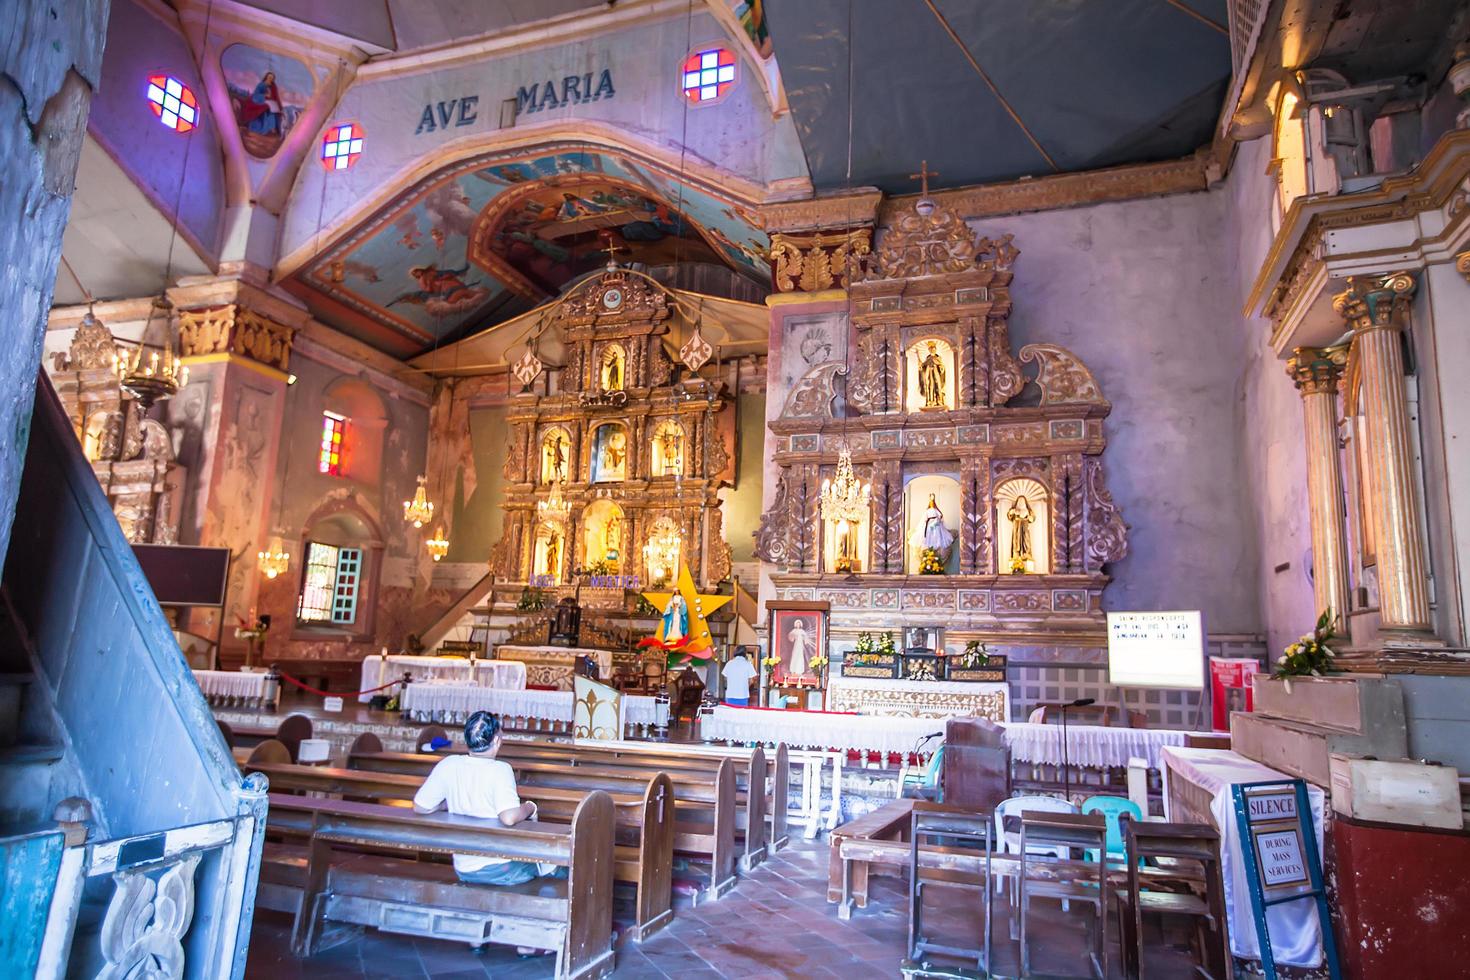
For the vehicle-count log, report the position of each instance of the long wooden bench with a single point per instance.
(751, 809)
(643, 810)
(404, 894)
(888, 822)
(704, 802)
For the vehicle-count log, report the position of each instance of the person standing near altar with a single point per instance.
(738, 674)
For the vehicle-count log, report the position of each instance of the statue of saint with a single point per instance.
(553, 554)
(1021, 517)
(936, 535)
(612, 539)
(614, 452)
(801, 640)
(676, 619)
(554, 459)
(612, 370)
(671, 449)
(846, 546)
(931, 378)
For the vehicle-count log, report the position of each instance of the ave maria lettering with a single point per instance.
(572, 90)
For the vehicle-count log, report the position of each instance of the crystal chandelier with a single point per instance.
(275, 559)
(555, 507)
(151, 375)
(438, 545)
(844, 496)
(661, 552)
(418, 511)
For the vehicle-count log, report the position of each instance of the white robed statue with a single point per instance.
(936, 535)
(801, 640)
(676, 619)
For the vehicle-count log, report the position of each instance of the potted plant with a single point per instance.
(977, 664)
(872, 658)
(931, 562)
(1311, 656)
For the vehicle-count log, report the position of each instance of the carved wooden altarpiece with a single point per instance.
(671, 441)
(1033, 421)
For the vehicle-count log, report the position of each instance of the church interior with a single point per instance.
(681, 488)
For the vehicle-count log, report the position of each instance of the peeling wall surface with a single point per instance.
(1143, 292)
(50, 66)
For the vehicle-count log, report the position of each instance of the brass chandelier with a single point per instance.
(844, 497)
(419, 511)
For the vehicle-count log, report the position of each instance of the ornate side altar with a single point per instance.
(978, 497)
(615, 470)
(554, 667)
(919, 699)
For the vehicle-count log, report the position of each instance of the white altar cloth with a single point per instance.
(376, 671)
(232, 684)
(452, 703)
(1087, 745)
(1296, 937)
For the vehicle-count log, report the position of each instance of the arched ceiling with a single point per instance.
(493, 236)
(1072, 85)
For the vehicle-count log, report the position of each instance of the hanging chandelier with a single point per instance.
(556, 506)
(419, 511)
(151, 375)
(661, 552)
(275, 559)
(844, 497)
(438, 545)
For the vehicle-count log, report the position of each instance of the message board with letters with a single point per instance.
(1156, 649)
(1279, 846)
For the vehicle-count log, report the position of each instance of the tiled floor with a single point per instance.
(775, 923)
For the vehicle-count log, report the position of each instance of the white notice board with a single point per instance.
(1156, 649)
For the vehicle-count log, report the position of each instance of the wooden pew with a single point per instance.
(403, 894)
(289, 732)
(888, 822)
(750, 809)
(704, 802)
(643, 809)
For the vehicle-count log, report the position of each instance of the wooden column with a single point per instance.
(1377, 308)
(1316, 372)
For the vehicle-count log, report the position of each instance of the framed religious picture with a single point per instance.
(797, 634)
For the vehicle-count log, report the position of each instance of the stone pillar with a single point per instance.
(1376, 308)
(1316, 372)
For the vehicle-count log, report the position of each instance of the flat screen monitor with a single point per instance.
(1156, 649)
(185, 575)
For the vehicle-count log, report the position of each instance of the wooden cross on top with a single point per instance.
(612, 249)
(923, 175)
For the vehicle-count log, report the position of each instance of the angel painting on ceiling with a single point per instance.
(442, 291)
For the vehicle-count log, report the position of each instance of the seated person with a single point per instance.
(738, 674)
(480, 785)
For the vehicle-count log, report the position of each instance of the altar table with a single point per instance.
(453, 703)
(548, 666)
(377, 671)
(238, 687)
(1197, 788)
(919, 699)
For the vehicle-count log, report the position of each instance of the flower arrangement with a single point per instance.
(253, 630)
(885, 646)
(976, 655)
(930, 563)
(531, 600)
(864, 644)
(816, 664)
(642, 607)
(770, 662)
(919, 670)
(1310, 656)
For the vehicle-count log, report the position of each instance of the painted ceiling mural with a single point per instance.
(495, 236)
(268, 93)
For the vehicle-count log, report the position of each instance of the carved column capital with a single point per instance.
(1315, 370)
(820, 260)
(1462, 264)
(235, 329)
(1375, 302)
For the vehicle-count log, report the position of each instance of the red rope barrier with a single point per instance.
(334, 694)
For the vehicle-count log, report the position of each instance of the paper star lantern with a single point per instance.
(697, 641)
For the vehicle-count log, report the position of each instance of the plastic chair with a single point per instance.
(1112, 808)
(1010, 843)
(924, 782)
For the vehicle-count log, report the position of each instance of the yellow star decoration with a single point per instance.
(699, 606)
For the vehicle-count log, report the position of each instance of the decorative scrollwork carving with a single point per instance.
(814, 262)
(91, 349)
(142, 933)
(1107, 535)
(815, 393)
(920, 244)
(719, 551)
(1062, 377)
(773, 540)
(1006, 379)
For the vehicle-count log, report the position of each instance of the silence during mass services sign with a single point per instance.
(1156, 649)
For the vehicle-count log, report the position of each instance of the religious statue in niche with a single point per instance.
(554, 457)
(613, 368)
(553, 554)
(935, 540)
(668, 450)
(675, 619)
(931, 378)
(610, 454)
(846, 547)
(1021, 517)
(612, 540)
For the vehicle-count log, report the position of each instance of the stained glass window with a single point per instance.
(708, 75)
(173, 103)
(329, 588)
(341, 145)
(334, 427)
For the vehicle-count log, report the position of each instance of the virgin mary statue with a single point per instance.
(936, 535)
(676, 619)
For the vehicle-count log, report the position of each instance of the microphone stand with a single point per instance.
(1066, 762)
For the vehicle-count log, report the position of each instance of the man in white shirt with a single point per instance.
(738, 673)
(479, 785)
